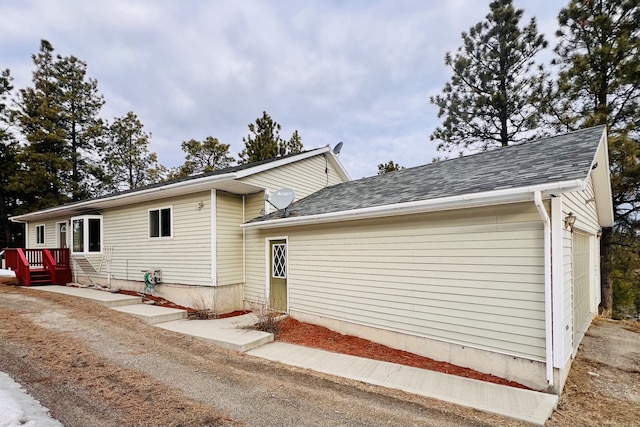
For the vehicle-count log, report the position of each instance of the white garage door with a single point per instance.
(581, 281)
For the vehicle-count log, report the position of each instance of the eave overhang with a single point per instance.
(488, 198)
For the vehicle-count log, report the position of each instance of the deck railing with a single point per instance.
(34, 257)
(16, 260)
(55, 261)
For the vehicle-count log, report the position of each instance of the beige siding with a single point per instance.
(305, 177)
(50, 238)
(473, 277)
(253, 206)
(582, 204)
(228, 238)
(185, 258)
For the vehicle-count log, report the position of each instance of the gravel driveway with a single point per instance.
(92, 366)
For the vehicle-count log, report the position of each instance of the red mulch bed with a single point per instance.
(308, 335)
(295, 332)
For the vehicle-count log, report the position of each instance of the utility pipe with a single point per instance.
(548, 315)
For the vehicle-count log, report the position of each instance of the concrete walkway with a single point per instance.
(524, 405)
(228, 333)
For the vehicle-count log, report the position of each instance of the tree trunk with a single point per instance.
(606, 273)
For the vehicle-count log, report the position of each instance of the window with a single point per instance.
(279, 260)
(40, 234)
(160, 223)
(86, 233)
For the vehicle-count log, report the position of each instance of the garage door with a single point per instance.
(581, 279)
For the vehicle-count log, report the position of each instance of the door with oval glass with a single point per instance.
(62, 234)
(278, 275)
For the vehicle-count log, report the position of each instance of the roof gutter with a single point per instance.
(95, 203)
(511, 195)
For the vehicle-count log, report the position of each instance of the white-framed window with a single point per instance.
(160, 223)
(40, 234)
(86, 234)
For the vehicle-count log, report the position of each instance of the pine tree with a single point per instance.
(128, 162)
(81, 104)
(293, 146)
(497, 94)
(44, 179)
(390, 166)
(264, 141)
(599, 59)
(8, 165)
(58, 116)
(201, 157)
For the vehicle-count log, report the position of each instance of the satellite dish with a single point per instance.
(337, 148)
(282, 198)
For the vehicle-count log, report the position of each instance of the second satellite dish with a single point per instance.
(282, 198)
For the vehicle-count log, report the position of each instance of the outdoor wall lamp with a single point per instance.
(599, 234)
(569, 221)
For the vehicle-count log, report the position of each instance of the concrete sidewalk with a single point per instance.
(519, 404)
(524, 405)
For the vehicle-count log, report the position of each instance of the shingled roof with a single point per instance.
(555, 159)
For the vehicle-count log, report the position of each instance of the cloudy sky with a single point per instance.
(355, 71)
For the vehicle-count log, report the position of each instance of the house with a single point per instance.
(489, 261)
(189, 230)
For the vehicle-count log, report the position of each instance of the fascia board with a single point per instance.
(601, 177)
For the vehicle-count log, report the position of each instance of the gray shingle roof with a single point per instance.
(554, 159)
(230, 169)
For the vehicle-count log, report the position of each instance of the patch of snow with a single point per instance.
(7, 273)
(19, 409)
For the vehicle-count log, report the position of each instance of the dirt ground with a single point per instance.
(603, 388)
(94, 366)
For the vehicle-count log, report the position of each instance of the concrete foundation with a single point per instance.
(220, 299)
(530, 373)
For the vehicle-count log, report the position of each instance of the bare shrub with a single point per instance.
(269, 320)
(201, 306)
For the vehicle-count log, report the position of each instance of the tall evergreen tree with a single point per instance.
(264, 141)
(80, 104)
(58, 116)
(497, 94)
(204, 156)
(128, 162)
(43, 180)
(8, 165)
(599, 83)
(294, 145)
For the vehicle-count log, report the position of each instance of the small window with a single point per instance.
(279, 260)
(40, 234)
(160, 223)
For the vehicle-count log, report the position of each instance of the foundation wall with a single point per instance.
(222, 299)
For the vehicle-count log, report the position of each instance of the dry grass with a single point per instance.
(66, 364)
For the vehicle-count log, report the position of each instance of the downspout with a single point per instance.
(548, 316)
